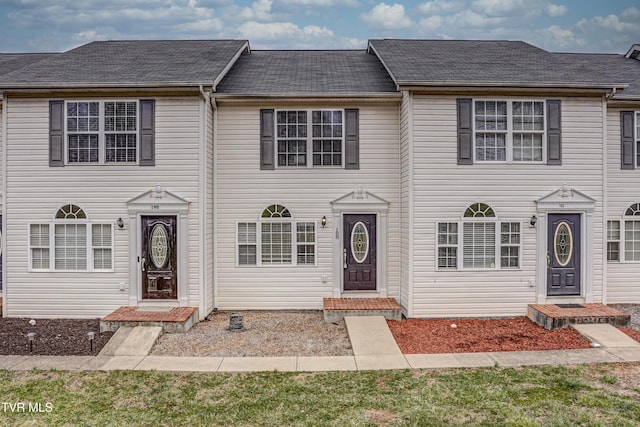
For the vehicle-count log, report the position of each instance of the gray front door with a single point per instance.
(563, 255)
(359, 252)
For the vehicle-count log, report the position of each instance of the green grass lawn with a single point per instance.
(602, 395)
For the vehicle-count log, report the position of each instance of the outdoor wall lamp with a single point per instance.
(323, 221)
(533, 220)
(120, 223)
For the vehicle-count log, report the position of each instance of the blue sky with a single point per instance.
(556, 25)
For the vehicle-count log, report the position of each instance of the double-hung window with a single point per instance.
(71, 243)
(509, 131)
(101, 132)
(623, 237)
(478, 242)
(276, 239)
(309, 138)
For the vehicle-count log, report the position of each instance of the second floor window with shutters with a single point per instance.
(309, 138)
(509, 131)
(101, 132)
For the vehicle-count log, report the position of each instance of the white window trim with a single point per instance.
(294, 244)
(510, 131)
(460, 245)
(622, 242)
(619, 241)
(102, 145)
(89, 246)
(309, 138)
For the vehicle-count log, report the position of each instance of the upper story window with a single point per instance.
(509, 131)
(101, 132)
(309, 138)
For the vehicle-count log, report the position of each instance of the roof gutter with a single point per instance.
(310, 96)
(408, 84)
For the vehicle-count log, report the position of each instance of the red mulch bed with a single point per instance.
(417, 336)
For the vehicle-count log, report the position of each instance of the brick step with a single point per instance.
(336, 309)
(170, 319)
(558, 316)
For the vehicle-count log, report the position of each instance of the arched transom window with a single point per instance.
(478, 242)
(276, 239)
(71, 243)
(623, 237)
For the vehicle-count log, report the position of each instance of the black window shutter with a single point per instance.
(147, 132)
(626, 133)
(352, 139)
(465, 131)
(267, 140)
(56, 133)
(554, 132)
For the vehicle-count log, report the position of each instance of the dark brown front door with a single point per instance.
(563, 254)
(158, 261)
(359, 252)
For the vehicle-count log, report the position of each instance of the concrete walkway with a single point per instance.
(372, 349)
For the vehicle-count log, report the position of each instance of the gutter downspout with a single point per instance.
(202, 207)
(605, 193)
(214, 106)
(3, 150)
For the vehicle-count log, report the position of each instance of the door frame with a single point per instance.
(157, 202)
(565, 201)
(360, 202)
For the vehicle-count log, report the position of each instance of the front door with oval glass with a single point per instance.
(359, 252)
(563, 255)
(158, 258)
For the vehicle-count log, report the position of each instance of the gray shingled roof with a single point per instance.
(131, 63)
(10, 62)
(307, 72)
(482, 63)
(606, 67)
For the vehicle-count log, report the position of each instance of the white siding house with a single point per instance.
(110, 182)
(236, 179)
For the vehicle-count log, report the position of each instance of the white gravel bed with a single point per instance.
(633, 310)
(265, 333)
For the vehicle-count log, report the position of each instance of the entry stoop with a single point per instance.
(335, 309)
(170, 319)
(558, 316)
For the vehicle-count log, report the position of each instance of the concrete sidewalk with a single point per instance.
(373, 347)
(320, 364)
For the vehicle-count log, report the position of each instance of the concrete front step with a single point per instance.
(170, 319)
(557, 316)
(336, 309)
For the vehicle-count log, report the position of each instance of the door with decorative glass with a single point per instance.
(359, 252)
(158, 258)
(563, 255)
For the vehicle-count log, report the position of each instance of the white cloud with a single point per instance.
(281, 30)
(560, 38)
(260, 10)
(431, 23)
(388, 17)
(437, 7)
(321, 3)
(471, 19)
(555, 10)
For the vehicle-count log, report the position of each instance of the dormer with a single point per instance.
(634, 52)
